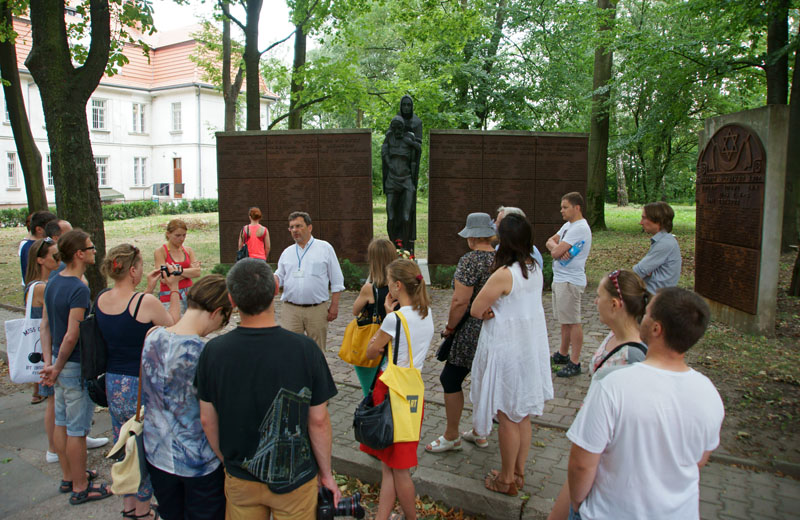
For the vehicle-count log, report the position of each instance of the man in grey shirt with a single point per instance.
(661, 266)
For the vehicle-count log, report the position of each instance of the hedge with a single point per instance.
(125, 210)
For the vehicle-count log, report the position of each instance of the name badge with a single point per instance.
(298, 274)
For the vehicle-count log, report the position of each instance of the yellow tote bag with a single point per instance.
(406, 390)
(357, 336)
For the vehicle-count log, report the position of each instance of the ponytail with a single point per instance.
(407, 272)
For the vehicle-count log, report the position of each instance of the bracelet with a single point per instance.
(180, 297)
(448, 329)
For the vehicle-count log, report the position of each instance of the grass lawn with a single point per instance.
(757, 376)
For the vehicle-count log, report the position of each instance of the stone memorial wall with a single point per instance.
(740, 191)
(325, 173)
(474, 171)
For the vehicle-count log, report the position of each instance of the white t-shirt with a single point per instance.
(421, 331)
(575, 271)
(652, 427)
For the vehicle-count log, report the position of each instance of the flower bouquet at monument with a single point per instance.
(403, 253)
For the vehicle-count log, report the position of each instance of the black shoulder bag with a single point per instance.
(243, 251)
(618, 348)
(444, 348)
(373, 425)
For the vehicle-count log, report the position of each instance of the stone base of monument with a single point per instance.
(423, 268)
(740, 194)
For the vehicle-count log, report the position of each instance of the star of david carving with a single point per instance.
(729, 147)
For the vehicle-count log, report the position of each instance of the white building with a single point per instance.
(153, 122)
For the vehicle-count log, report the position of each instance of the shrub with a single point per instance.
(126, 210)
(204, 205)
(442, 275)
(354, 274)
(221, 269)
(547, 271)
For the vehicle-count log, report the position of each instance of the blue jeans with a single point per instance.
(574, 515)
(74, 409)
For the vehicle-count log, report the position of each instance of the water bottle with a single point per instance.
(573, 252)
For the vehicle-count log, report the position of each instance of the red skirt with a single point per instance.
(400, 455)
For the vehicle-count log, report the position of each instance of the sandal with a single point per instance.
(441, 444)
(153, 510)
(36, 399)
(81, 497)
(519, 480)
(493, 483)
(471, 436)
(66, 485)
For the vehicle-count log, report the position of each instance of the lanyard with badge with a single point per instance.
(299, 272)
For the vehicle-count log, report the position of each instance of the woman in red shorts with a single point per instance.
(406, 287)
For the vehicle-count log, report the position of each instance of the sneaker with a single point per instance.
(51, 457)
(92, 443)
(570, 370)
(559, 359)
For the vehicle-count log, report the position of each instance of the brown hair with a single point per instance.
(683, 315)
(407, 272)
(210, 293)
(380, 253)
(255, 213)
(575, 199)
(39, 249)
(176, 224)
(660, 213)
(119, 261)
(300, 214)
(632, 291)
(70, 243)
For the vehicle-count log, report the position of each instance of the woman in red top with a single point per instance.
(180, 260)
(255, 236)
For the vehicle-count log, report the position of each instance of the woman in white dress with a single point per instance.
(511, 377)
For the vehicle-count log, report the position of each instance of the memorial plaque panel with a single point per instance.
(343, 155)
(562, 158)
(241, 157)
(730, 207)
(288, 195)
(727, 274)
(279, 238)
(292, 155)
(547, 199)
(346, 237)
(237, 196)
(508, 157)
(730, 213)
(229, 233)
(344, 196)
(452, 199)
(541, 232)
(446, 233)
(507, 192)
(456, 156)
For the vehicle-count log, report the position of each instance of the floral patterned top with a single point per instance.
(625, 356)
(174, 440)
(473, 270)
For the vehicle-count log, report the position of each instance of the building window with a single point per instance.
(98, 114)
(49, 171)
(101, 164)
(6, 116)
(138, 118)
(11, 160)
(139, 171)
(176, 117)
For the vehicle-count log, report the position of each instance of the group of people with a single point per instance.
(239, 426)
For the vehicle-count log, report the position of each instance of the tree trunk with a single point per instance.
(252, 58)
(599, 124)
(65, 91)
(29, 156)
(777, 68)
(622, 188)
(794, 286)
(296, 114)
(791, 201)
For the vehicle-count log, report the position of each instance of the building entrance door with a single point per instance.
(177, 175)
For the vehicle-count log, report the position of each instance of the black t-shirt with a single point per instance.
(261, 383)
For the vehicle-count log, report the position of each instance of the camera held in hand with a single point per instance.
(166, 272)
(350, 506)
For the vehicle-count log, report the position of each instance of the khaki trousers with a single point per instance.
(311, 321)
(248, 500)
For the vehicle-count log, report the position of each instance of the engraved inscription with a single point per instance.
(236, 196)
(241, 157)
(446, 233)
(344, 155)
(342, 197)
(562, 158)
(453, 199)
(509, 157)
(730, 213)
(292, 155)
(288, 195)
(727, 274)
(505, 192)
(346, 237)
(456, 156)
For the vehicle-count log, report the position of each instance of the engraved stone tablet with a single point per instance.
(730, 204)
(562, 158)
(340, 155)
(241, 157)
(292, 155)
(456, 155)
(509, 157)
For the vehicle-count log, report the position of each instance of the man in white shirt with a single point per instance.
(570, 247)
(305, 270)
(644, 432)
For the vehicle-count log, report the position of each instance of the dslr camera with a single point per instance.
(350, 506)
(166, 272)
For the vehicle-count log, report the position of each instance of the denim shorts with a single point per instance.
(46, 391)
(574, 515)
(74, 409)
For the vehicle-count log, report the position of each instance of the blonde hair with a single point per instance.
(175, 224)
(380, 253)
(119, 261)
(407, 272)
(39, 249)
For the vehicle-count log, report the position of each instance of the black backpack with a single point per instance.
(94, 350)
